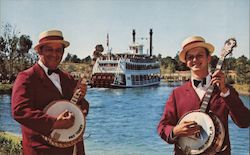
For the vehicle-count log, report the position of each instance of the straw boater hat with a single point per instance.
(52, 36)
(192, 42)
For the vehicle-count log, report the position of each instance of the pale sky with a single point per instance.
(85, 23)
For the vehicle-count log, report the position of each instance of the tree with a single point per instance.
(213, 63)
(230, 63)
(3, 56)
(75, 59)
(72, 58)
(171, 67)
(14, 51)
(86, 59)
(159, 57)
(243, 70)
(166, 61)
(68, 58)
(24, 44)
(180, 66)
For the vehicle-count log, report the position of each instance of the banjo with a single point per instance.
(63, 138)
(211, 137)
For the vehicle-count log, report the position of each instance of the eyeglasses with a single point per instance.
(191, 57)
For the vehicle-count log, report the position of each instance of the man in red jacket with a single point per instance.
(196, 54)
(38, 86)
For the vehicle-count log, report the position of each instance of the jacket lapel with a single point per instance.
(68, 85)
(63, 83)
(46, 82)
(193, 95)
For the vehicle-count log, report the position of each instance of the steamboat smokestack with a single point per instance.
(133, 33)
(150, 43)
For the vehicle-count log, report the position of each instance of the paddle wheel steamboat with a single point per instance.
(125, 70)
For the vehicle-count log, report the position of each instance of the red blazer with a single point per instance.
(184, 99)
(32, 91)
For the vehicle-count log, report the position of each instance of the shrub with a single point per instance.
(10, 144)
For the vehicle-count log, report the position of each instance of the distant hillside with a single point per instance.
(77, 69)
(74, 67)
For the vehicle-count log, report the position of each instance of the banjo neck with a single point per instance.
(77, 94)
(227, 49)
(210, 89)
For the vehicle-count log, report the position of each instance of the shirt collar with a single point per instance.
(43, 67)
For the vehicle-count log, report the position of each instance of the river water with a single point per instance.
(124, 122)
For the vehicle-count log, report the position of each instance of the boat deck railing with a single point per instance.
(132, 60)
(144, 82)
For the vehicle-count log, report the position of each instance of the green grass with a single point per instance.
(5, 88)
(10, 144)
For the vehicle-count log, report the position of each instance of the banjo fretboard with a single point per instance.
(77, 94)
(228, 47)
(210, 89)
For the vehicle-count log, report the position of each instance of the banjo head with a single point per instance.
(64, 136)
(197, 144)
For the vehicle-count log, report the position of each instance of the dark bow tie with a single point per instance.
(197, 82)
(50, 71)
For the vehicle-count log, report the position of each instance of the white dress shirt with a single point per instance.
(201, 90)
(53, 77)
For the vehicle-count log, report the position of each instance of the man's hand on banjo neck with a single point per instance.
(218, 78)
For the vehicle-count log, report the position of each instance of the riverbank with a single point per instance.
(5, 88)
(10, 143)
(242, 89)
